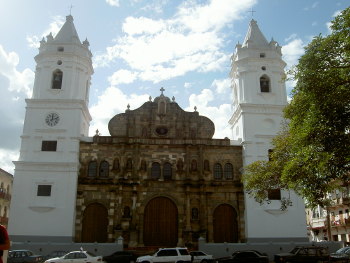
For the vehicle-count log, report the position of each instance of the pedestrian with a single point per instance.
(4, 241)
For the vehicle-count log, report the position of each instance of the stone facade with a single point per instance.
(147, 161)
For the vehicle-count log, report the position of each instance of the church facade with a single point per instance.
(160, 178)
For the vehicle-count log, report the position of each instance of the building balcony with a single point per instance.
(4, 220)
(5, 196)
(340, 222)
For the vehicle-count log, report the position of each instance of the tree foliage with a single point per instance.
(311, 155)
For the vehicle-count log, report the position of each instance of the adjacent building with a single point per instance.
(334, 224)
(6, 180)
(160, 178)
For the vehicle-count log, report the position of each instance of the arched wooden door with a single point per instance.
(160, 223)
(95, 223)
(225, 224)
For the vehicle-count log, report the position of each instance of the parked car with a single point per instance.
(201, 257)
(245, 256)
(341, 255)
(121, 257)
(164, 255)
(312, 254)
(56, 254)
(76, 257)
(24, 256)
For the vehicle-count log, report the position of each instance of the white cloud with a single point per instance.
(122, 76)
(16, 86)
(219, 115)
(20, 82)
(188, 41)
(113, 2)
(110, 103)
(54, 27)
(222, 86)
(292, 51)
(6, 158)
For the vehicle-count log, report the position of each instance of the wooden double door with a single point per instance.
(160, 223)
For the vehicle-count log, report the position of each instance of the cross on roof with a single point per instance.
(70, 9)
(162, 89)
(252, 11)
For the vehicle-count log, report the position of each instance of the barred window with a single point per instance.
(104, 169)
(217, 171)
(167, 171)
(155, 171)
(92, 169)
(228, 171)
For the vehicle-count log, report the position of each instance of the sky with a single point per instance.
(140, 46)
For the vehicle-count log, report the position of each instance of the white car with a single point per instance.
(201, 257)
(167, 255)
(76, 257)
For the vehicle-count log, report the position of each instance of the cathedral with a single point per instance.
(160, 178)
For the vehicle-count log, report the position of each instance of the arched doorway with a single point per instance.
(225, 224)
(160, 223)
(95, 223)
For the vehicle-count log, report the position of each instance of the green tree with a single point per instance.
(311, 155)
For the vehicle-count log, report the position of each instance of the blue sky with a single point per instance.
(140, 46)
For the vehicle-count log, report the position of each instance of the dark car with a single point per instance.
(24, 256)
(201, 257)
(121, 257)
(341, 255)
(251, 256)
(312, 254)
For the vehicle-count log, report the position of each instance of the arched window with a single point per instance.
(264, 84)
(217, 171)
(57, 78)
(92, 169)
(155, 171)
(167, 171)
(104, 169)
(228, 171)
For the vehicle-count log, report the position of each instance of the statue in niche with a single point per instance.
(116, 164)
(129, 164)
(143, 166)
(126, 212)
(194, 165)
(206, 165)
(195, 213)
(180, 165)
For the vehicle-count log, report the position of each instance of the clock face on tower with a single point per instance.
(52, 119)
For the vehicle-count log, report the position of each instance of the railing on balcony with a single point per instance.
(4, 220)
(5, 196)
(340, 222)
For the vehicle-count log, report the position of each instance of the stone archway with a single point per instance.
(160, 223)
(225, 226)
(95, 224)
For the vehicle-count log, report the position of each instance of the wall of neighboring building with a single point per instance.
(6, 180)
(338, 220)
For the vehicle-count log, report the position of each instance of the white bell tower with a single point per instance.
(57, 118)
(259, 96)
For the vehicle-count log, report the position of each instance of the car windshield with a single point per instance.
(342, 250)
(294, 250)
